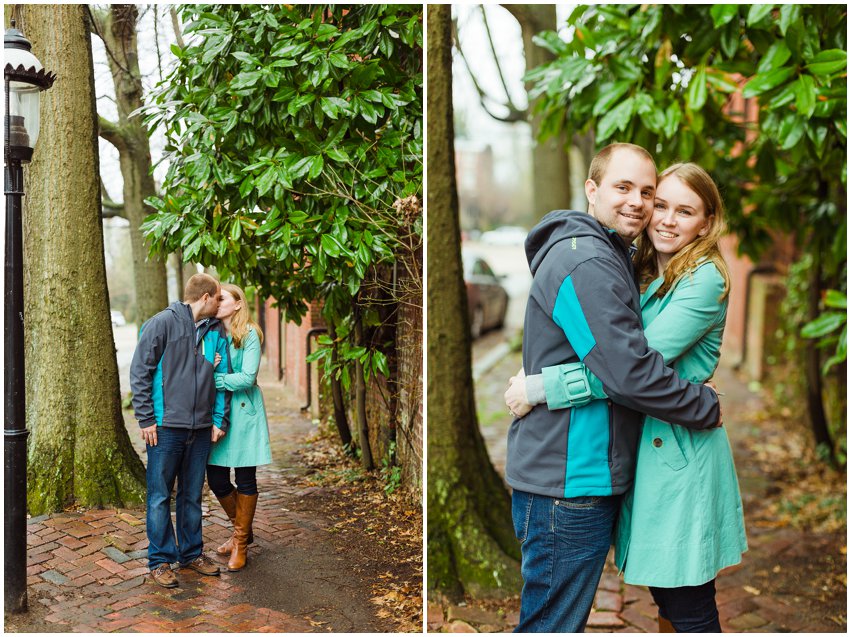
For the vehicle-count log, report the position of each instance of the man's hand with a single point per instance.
(515, 396)
(712, 386)
(217, 434)
(149, 435)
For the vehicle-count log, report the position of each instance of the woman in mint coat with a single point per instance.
(682, 521)
(246, 445)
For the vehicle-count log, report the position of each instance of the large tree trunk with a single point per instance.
(550, 158)
(79, 450)
(117, 28)
(471, 544)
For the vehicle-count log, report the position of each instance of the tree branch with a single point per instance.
(111, 133)
(175, 24)
(514, 114)
(111, 209)
(511, 103)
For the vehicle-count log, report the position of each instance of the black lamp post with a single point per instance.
(25, 78)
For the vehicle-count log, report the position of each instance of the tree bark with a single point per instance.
(812, 367)
(340, 418)
(550, 158)
(471, 543)
(360, 401)
(117, 28)
(79, 451)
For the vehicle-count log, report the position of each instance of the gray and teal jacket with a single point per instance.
(171, 375)
(584, 306)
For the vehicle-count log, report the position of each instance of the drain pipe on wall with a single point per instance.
(310, 333)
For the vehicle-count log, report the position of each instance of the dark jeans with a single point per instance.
(564, 543)
(179, 454)
(691, 609)
(219, 480)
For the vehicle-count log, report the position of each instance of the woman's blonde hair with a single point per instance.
(241, 321)
(705, 247)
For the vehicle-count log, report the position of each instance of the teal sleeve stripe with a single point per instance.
(568, 315)
(587, 468)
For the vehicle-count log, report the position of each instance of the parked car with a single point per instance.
(505, 236)
(117, 318)
(486, 298)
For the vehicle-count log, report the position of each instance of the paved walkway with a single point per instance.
(87, 572)
(747, 600)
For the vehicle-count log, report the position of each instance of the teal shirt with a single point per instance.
(682, 521)
(246, 443)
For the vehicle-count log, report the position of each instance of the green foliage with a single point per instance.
(832, 328)
(391, 472)
(662, 76)
(293, 134)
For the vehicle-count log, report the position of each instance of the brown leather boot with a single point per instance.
(228, 503)
(245, 507)
(665, 626)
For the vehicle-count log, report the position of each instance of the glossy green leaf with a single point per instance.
(616, 119)
(723, 13)
(697, 89)
(805, 95)
(763, 82)
(758, 12)
(828, 62)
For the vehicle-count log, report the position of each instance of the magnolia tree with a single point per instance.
(295, 155)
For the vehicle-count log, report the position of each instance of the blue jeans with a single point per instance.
(564, 543)
(690, 609)
(180, 454)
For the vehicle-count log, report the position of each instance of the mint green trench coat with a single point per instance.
(246, 443)
(682, 521)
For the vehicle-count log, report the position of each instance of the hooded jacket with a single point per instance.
(584, 306)
(171, 375)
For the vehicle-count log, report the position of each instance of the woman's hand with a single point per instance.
(217, 434)
(216, 360)
(515, 396)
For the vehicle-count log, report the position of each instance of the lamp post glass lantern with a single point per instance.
(24, 79)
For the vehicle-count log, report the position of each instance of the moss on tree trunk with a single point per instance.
(79, 451)
(471, 544)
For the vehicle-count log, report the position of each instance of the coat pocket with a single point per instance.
(666, 444)
(245, 403)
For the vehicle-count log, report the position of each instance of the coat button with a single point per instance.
(243, 405)
(657, 442)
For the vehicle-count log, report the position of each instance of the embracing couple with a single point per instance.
(614, 333)
(193, 378)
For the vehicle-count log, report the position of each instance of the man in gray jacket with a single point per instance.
(568, 468)
(180, 413)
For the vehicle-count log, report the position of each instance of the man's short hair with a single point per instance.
(198, 285)
(601, 159)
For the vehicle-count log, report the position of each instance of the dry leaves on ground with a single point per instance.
(384, 530)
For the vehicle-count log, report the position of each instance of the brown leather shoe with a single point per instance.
(164, 576)
(245, 507)
(202, 564)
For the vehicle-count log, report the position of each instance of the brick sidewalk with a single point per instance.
(90, 571)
